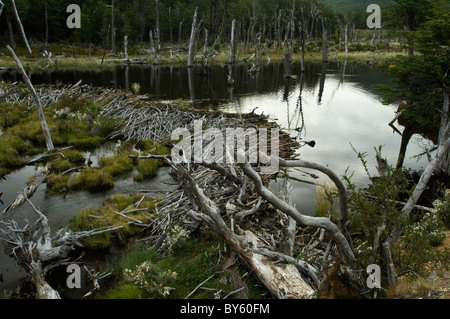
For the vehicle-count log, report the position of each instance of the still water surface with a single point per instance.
(334, 104)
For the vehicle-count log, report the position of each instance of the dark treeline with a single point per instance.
(45, 20)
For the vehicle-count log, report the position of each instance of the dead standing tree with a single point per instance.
(194, 31)
(19, 23)
(2, 5)
(47, 136)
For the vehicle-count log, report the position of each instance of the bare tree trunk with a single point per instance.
(46, 21)
(47, 136)
(191, 57)
(258, 51)
(2, 5)
(113, 27)
(232, 57)
(179, 31)
(279, 31)
(157, 31)
(346, 40)
(170, 24)
(445, 114)
(11, 33)
(444, 122)
(125, 44)
(324, 40)
(152, 42)
(22, 31)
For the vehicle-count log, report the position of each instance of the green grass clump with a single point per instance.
(193, 261)
(107, 217)
(12, 114)
(124, 291)
(86, 143)
(117, 165)
(92, 179)
(146, 169)
(57, 182)
(61, 165)
(74, 156)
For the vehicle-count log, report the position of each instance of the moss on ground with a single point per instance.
(195, 260)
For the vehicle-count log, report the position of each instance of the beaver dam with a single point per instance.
(225, 208)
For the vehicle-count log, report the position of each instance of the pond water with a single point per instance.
(333, 104)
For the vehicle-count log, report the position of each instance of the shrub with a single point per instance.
(443, 208)
(150, 278)
(427, 230)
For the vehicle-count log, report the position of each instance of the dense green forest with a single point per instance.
(46, 20)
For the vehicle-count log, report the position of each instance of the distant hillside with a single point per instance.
(349, 5)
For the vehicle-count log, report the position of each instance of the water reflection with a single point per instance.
(333, 104)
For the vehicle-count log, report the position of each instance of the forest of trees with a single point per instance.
(170, 20)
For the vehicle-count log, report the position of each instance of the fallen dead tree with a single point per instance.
(38, 252)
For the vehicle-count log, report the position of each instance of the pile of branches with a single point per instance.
(289, 252)
(49, 94)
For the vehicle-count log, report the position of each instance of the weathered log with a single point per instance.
(346, 252)
(38, 179)
(284, 281)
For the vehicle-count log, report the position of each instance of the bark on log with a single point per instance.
(47, 136)
(283, 281)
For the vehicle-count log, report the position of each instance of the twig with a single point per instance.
(196, 288)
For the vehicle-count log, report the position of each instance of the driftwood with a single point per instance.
(38, 252)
